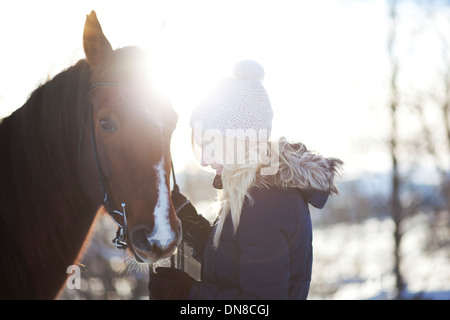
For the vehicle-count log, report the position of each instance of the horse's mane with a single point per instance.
(39, 144)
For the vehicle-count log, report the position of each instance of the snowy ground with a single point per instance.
(355, 261)
(351, 261)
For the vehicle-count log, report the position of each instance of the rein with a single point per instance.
(120, 217)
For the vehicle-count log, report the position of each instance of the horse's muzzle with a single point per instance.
(152, 245)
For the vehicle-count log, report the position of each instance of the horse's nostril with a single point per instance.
(139, 239)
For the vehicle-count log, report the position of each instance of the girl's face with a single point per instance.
(212, 153)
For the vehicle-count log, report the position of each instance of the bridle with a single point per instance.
(118, 216)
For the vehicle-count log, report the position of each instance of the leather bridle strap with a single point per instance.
(118, 217)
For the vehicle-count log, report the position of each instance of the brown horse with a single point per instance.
(94, 137)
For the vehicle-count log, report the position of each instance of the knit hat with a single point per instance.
(237, 107)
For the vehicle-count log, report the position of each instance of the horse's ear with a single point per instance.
(96, 47)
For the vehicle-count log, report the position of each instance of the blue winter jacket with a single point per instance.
(270, 255)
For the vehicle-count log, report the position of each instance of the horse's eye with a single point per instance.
(109, 125)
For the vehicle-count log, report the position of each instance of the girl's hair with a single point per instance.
(291, 164)
(237, 179)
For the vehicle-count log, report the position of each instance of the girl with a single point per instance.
(260, 246)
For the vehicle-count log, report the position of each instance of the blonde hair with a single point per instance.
(237, 180)
(295, 166)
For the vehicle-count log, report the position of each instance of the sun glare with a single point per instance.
(316, 84)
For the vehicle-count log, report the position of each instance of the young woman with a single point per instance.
(260, 246)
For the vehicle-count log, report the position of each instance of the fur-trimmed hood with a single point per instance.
(306, 170)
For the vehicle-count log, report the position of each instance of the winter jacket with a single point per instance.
(270, 255)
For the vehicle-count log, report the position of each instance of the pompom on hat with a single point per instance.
(237, 106)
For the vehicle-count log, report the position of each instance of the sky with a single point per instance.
(326, 63)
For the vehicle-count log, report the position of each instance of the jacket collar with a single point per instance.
(303, 169)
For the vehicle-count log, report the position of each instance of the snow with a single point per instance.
(355, 261)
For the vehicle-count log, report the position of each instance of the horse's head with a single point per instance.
(131, 130)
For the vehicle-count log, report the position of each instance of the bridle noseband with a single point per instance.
(119, 217)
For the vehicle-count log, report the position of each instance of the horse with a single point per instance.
(95, 138)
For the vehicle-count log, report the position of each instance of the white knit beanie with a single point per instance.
(237, 106)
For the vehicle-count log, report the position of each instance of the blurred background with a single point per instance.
(366, 81)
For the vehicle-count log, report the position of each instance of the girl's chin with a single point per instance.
(218, 170)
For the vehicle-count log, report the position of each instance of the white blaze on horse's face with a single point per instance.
(160, 241)
(162, 234)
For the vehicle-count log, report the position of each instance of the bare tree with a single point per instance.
(396, 208)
